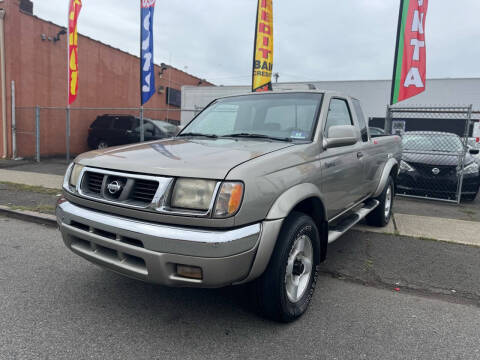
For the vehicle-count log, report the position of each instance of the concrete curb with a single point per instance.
(431, 228)
(32, 216)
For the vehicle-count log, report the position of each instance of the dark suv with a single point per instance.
(109, 130)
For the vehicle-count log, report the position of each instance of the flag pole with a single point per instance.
(255, 46)
(142, 133)
(399, 28)
(67, 124)
(388, 119)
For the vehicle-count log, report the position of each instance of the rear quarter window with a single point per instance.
(362, 123)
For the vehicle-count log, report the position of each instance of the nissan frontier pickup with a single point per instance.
(253, 189)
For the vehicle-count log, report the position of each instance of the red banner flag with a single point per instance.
(73, 13)
(409, 74)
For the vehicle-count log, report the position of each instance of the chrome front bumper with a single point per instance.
(151, 252)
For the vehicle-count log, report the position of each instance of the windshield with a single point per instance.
(283, 116)
(432, 142)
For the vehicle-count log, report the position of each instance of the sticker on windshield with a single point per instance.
(298, 135)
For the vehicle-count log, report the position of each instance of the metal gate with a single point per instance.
(434, 152)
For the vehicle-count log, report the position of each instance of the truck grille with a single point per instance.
(125, 189)
(94, 182)
(144, 190)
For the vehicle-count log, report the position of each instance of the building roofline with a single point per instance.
(110, 46)
(332, 81)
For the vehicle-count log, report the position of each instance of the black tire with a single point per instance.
(102, 144)
(270, 290)
(378, 217)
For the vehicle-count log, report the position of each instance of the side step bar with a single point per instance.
(350, 220)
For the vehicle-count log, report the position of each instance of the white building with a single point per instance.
(374, 94)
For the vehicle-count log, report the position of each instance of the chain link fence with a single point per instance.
(41, 131)
(436, 163)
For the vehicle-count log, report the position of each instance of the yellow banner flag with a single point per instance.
(73, 13)
(263, 53)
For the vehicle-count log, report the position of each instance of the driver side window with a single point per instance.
(338, 114)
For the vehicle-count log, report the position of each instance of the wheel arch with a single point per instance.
(305, 198)
(390, 168)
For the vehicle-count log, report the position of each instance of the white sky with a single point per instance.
(317, 40)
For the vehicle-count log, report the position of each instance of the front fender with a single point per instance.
(291, 198)
(391, 163)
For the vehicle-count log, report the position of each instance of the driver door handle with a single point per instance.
(359, 155)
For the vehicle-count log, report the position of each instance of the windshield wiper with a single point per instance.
(212, 136)
(258, 136)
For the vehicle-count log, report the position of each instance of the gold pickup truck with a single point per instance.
(253, 189)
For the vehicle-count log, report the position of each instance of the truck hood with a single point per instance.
(199, 158)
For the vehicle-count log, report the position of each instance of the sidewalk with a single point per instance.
(31, 178)
(431, 228)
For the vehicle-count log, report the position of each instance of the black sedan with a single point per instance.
(431, 166)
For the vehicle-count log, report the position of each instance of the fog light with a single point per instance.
(191, 272)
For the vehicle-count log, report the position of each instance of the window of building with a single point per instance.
(174, 97)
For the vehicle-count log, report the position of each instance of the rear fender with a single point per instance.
(391, 163)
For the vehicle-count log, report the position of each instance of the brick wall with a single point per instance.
(108, 77)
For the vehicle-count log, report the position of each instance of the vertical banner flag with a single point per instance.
(73, 13)
(263, 51)
(409, 72)
(147, 75)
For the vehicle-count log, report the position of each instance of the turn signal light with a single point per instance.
(229, 199)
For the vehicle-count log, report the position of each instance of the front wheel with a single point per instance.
(380, 217)
(284, 291)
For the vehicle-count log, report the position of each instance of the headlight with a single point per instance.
(404, 166)
(229, 199)
(471, 169)
(72, 176)
(193, 194)
(77, 169)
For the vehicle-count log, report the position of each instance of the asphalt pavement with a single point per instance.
(55, 305)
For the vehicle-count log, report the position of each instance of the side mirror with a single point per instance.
(474, 151)
(341, 135)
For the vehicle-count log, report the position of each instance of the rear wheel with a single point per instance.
(380, 217)
(284, 291)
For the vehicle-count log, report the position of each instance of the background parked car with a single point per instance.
(474, 149)
(430, 166)
(109, 130)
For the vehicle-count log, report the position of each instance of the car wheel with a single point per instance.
(380, 217)
(102, 144)
(284, 291)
